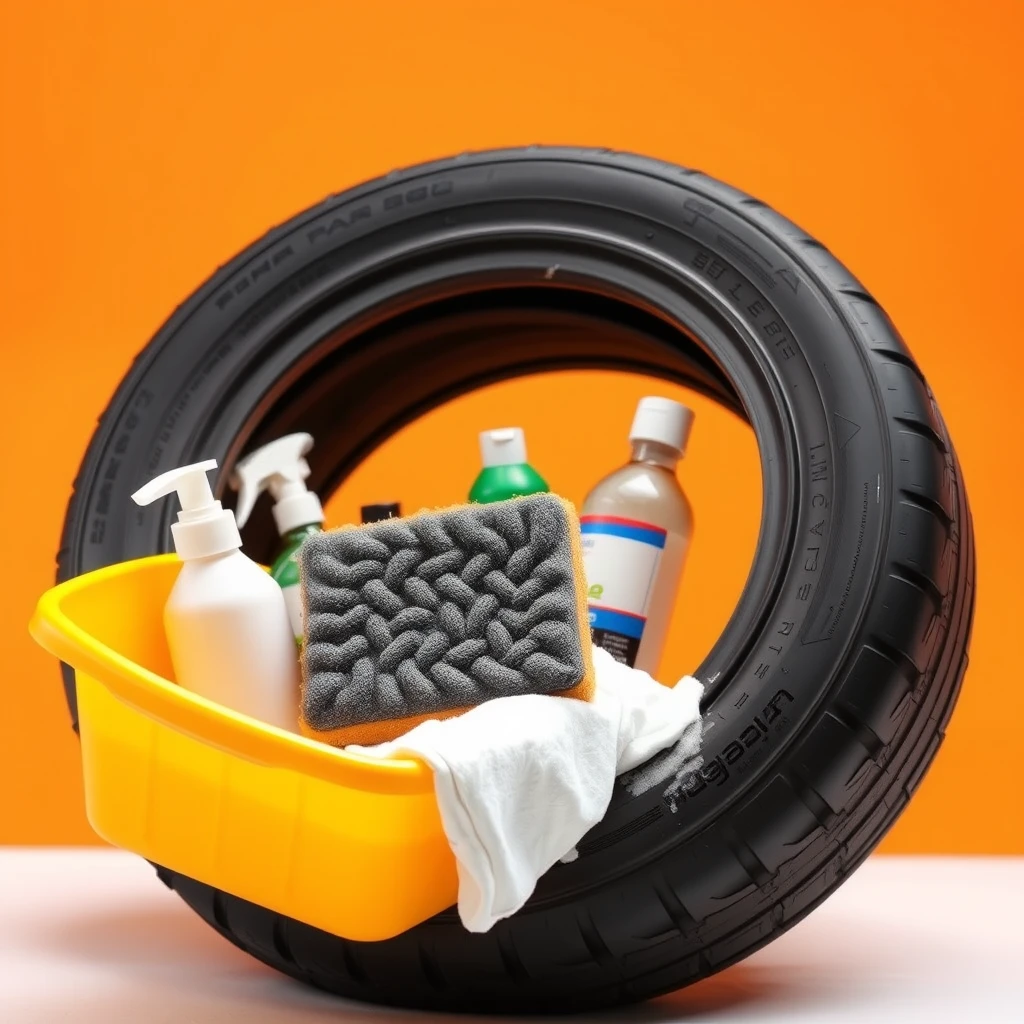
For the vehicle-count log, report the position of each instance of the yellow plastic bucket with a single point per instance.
(347, 844)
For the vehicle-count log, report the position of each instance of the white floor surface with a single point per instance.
(92, 936)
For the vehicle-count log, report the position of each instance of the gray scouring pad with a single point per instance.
(427, 616)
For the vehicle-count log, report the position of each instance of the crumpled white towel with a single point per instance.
(520, 780)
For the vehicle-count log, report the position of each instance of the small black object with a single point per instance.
(379, 512)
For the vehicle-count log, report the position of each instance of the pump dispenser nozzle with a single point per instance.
(278, 467)
(203, 527)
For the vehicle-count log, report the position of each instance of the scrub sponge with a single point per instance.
(428, 616)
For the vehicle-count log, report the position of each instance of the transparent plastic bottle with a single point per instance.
(637, 524)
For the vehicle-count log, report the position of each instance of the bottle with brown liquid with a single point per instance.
(637, 524)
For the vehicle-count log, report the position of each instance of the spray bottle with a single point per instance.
(506, 473)
(226, 619)
(280, 467)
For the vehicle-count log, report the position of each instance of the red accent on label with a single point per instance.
(623, 522)
(619, 611)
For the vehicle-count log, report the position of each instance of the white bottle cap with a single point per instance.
(278, 467)
(663, 421)
(203, 527)
(503, 447)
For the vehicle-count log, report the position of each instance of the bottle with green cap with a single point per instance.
(506, 473)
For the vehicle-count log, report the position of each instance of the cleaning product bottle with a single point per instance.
(281, 468)
(506, 473)
(379, 512)
(226, 619)
(637, 524)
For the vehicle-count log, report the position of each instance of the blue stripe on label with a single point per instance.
(616, 622)
(644, 534)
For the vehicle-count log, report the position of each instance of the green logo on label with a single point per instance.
(595, 591)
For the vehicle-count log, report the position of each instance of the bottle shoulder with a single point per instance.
(291, 542)
(496, 483)
(644, 492)
(224, 579)
(294, 538)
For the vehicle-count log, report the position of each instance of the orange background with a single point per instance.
(143, 144)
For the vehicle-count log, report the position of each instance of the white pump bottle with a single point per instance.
(226, 620)
(280, 467)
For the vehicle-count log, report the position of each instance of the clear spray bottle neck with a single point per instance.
(653, 453)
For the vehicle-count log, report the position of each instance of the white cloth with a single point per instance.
(520, 780)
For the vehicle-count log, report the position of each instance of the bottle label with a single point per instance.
(621, 559)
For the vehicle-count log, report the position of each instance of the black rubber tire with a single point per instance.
(830, 691)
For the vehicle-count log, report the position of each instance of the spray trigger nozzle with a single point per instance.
(279, 467)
